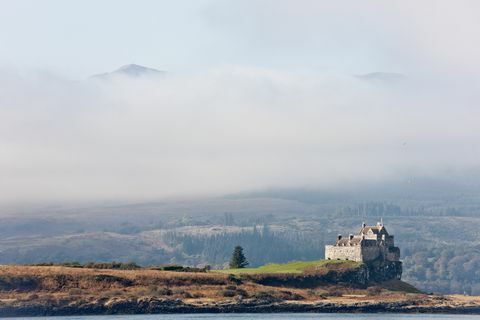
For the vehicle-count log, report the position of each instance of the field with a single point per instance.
(293, 267)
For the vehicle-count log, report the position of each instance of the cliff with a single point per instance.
(328, 272)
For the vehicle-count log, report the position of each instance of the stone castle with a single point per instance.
(372, 243)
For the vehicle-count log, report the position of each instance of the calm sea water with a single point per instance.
(269, 316)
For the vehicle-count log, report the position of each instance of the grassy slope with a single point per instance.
(291, 267)
(399, 286)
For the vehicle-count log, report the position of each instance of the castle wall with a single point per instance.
(389, 241)
(370, 253)
(371, 244)
(393, 254)
(343, 252)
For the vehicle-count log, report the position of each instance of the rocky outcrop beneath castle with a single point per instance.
(379, 271)
(359, 275)
(356, 277)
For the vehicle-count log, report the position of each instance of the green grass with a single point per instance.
(291, 267)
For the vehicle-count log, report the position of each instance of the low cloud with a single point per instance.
(223, 130)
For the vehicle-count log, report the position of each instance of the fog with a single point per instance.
(285, 108)
(224, 130)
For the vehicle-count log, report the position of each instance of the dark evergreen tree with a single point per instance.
(238, 259)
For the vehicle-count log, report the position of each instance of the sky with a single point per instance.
(258, 94)
(80, 38)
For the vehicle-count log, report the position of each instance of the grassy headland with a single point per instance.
(293, 287)
(293, 267)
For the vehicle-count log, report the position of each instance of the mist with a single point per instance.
(270, 96)
(224, 130)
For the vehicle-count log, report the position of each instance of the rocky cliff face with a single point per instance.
(378, 271)
(360, 276)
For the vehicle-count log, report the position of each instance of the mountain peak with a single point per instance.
(131, 70)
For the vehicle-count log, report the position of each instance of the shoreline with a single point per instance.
(64, 291)
(162, 306)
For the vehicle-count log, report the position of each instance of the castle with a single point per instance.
(372, 243)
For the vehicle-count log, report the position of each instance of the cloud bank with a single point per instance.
(223, 130)
(288, 112)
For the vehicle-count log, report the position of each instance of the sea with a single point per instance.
(269, 316)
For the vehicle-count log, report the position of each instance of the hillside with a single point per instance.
(53, 290)
(425, 221)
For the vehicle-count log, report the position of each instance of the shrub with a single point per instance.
(116, 293)
(106, 278)
(178, 291)
(228, 293)
(234, 279)
(159, 291)
(20, 283)
(197, 295)
(374, 291)
(334, 292)
(113, 265)
(242, 292)
(263, 295)
(178, 268)
(164, 292)
(32, 296)
(172, 268)
(288, 295)
(75, 292)
(318, 293)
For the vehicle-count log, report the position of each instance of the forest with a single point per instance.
(438, 235)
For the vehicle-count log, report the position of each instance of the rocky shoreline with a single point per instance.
(65, 291)
(158, 306)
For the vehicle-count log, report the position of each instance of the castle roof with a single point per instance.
(356, 240)
(368, 235)
(375, 229)
(347, 241)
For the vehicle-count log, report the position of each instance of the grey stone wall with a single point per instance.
(393, 254)
(343, 252)
(370, 253)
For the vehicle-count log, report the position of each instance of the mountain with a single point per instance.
(130, 70)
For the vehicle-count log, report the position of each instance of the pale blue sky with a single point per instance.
(83, 37)
(79, 38)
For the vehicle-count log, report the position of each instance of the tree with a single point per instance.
(238, 259)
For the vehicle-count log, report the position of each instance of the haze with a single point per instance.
(257, 94)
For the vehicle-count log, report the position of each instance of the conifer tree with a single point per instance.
(238, 259)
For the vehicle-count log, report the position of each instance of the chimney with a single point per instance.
(339, 237)
(364, 225)
(350, 236)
